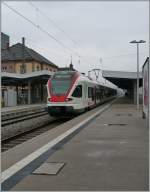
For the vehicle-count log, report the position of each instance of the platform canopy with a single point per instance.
(15, 78)
(122, 79)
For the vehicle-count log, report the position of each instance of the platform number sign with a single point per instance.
(146, 89)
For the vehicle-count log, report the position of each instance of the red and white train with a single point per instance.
(70, 92)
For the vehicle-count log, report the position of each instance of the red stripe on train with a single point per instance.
(60, 98)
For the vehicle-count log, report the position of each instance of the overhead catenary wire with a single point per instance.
(53, 22)
(54, 38)
(58, 27)
(37, 47)
(57, 54)
(46, 32)
(40, 28)
(123, 55)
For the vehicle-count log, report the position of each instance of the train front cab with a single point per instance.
(71, 106)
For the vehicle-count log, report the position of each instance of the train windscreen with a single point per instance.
(61, 83)
(60, 87)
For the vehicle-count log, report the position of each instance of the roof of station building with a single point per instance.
(16, 53)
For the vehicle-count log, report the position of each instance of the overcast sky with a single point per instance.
(99, 32)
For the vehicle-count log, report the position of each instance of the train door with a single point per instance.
(91, 96)
(97, 94)
(85, 94)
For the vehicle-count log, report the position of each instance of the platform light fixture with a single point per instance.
(137, 43)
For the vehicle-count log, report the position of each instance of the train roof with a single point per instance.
(87, 78)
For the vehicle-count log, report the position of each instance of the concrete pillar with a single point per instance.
(29, 92)
(41, 92)
(17, 93)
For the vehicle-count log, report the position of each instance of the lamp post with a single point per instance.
(137, 43)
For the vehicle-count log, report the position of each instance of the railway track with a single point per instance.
(22, 135)
(18, 139)
(19, 118)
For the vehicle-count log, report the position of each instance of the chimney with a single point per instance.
(23, 41)
(23, 70)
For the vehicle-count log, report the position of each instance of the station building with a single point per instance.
(24, 72)
(19, 58)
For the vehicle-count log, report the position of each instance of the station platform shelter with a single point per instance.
(126, 81)
(21, 89)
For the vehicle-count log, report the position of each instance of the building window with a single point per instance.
(38, 68)
(32, 67)
(4, 68)
(23, 68)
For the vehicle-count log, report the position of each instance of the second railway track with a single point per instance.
(18, 139)
(18, 123)
(22, 118)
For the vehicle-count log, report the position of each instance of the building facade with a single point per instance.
(20, 59)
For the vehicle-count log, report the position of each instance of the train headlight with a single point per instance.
(68, 99)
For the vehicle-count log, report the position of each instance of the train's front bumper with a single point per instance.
(61, 110)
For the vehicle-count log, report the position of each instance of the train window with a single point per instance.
(91, 93)
(77, 92)
(60, 87)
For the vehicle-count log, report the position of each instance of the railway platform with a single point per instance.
(109, 152)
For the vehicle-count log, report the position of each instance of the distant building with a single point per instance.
(4, 41)
(19, 58)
